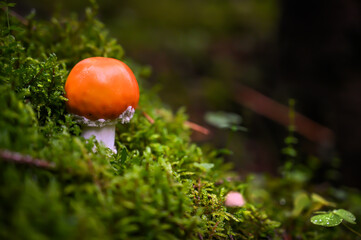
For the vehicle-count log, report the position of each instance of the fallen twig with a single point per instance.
(23, 20)
(25, 159)
(149, 118)
(191, 125)
(277, 112)
(196, 127)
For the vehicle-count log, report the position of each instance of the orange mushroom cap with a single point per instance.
(101, 88)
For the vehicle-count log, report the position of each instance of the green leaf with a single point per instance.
(326, 220)
(204, 166)
(345, 215)
(123, 156)
(320, 212)
(301, 201)
(319, 199)
(238, 128)
(289, 151)
(5, 4)
(224, 120)
(291, 140)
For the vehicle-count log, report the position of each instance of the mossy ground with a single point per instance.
(158, 186)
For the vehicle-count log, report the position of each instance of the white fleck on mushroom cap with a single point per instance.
(125, 117)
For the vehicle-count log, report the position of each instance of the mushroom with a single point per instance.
(234, 199)
(101, 91)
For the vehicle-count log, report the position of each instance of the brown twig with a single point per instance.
(18, 158)
(191, 125)
(25, 159)
(23, 20)
(213, 230)
(277, 112)
(196, 127)
(149, 118)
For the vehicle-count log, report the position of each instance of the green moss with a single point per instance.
(158, 186)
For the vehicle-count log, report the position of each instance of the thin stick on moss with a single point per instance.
(214, 229)
(191, 125)
(196, 127)
(149, 118)
(15, 157)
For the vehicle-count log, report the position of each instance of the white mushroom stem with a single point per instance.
(102, 129)
(104, 134)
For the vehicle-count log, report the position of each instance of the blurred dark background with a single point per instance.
(203, 54)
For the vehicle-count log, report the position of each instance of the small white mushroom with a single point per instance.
(234, 199)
